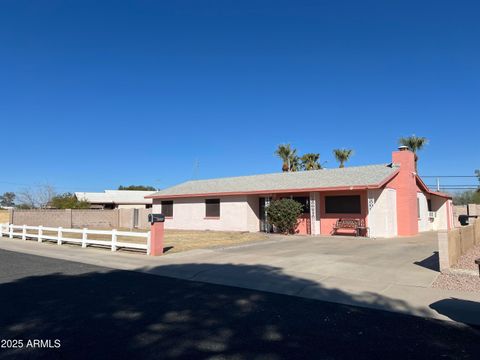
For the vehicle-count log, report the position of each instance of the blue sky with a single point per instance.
(101, 93)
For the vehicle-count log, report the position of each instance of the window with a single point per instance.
(167, 208)
(348, 204)
(305, 201)
(212, 208)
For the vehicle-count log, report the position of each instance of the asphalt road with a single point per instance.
(98, 312)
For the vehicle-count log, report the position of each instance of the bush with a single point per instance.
(283, 214)
(466, 197)
(68, 201)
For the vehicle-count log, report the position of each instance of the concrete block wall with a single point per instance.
(143, 218)
(474, 209)
(79, 218)
(95, 219)
(456, 242)
(44, 217)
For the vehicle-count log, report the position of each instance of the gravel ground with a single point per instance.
(467, 261)
(462, 282)
(457, 282)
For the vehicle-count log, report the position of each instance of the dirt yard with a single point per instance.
(4, 216)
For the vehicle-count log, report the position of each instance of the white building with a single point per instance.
(116, 199)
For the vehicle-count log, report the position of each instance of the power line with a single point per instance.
(39, 185)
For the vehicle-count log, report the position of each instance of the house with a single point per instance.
(390, 199)
(116, 199)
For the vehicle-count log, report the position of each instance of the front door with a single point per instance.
(304, 223)
(262, 215)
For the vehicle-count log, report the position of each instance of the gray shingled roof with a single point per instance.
(370, 175)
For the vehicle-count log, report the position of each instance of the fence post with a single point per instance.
(114, 240)
(40, 233)
(84, 238)
(24, 232)
(59, 236)
(10, 216)
(149, 242)
(10, 235)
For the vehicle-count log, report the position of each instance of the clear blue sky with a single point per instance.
(95, 94)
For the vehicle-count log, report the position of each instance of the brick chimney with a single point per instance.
(406, 186)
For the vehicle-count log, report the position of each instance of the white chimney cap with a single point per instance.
(403, 148)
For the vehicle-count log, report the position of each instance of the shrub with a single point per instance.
(283, 214)
(68, 201)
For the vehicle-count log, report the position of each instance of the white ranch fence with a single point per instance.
(87, 236)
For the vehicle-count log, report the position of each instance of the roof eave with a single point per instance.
(268, 192)
(281, 191)
(426, 189)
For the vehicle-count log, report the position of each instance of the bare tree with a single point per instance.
(45, 194)
(36, 198)
(26, 199)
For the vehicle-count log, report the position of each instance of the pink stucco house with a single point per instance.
(390, 199)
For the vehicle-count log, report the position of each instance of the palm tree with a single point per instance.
(414, 143)
(342, 156)
(294, 161)
(310, 161)
(285, 152)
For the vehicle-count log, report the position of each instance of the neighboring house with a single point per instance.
(390, 198)
(116, 199)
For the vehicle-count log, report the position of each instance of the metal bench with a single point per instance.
(351, 224)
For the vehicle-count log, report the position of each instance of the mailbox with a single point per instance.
(465, 219)
(155, 218)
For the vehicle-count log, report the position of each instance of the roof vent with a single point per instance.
(403, 148)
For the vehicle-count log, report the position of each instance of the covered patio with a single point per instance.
(322, 211)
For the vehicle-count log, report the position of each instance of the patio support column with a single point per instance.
(315, 225)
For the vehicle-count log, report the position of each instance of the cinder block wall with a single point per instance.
(53, 218)
(95, 219)
(454, 243)
(78, 218)
(143, 218)
(462, 210)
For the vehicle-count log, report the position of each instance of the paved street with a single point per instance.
(385, 274)
(98, 312)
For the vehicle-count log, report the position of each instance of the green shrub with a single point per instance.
(68, 201)
(283, 214)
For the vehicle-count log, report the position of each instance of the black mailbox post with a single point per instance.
(465, 219)
(155, 218)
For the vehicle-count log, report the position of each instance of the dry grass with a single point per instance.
(180, 240)
(4, 218)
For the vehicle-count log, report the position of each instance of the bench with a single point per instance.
(351, 224)
(478, 263)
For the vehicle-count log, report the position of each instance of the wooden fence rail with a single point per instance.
(87, 236)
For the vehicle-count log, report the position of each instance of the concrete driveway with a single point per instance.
(367, 264)
(388, 274)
